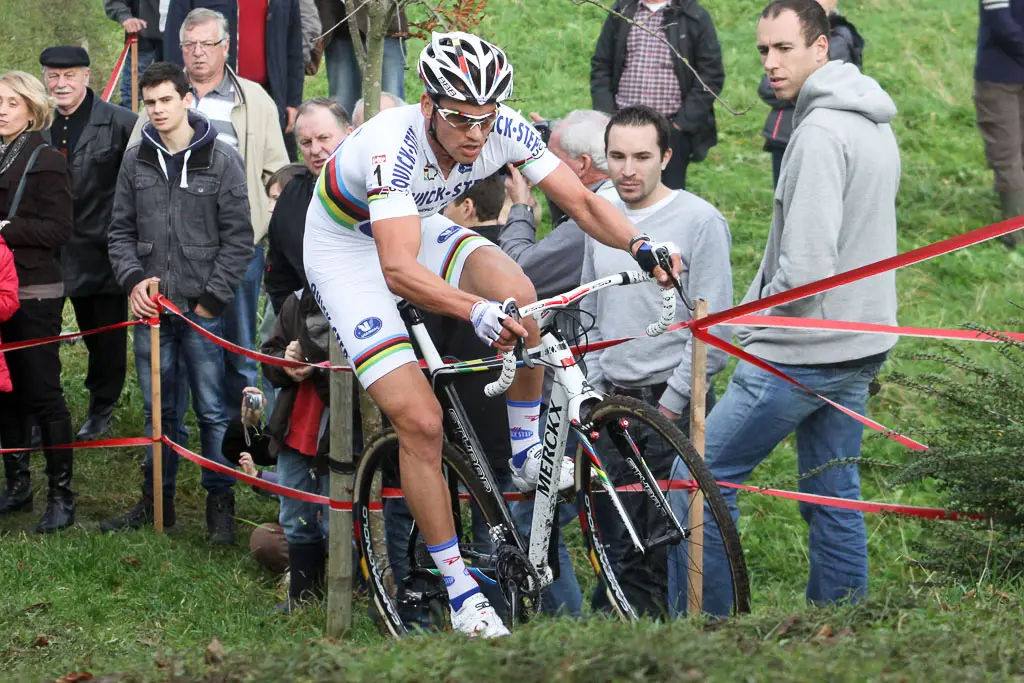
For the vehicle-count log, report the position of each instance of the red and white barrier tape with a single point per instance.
(29, 343)
(102, 443)
(115, 76)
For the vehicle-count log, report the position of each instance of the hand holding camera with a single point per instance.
(252, 406)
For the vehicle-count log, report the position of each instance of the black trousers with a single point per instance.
(108, 351)
(674, 175)
(35, 372)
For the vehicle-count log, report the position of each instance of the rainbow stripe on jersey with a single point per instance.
(340, 204)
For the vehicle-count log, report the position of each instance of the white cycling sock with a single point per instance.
(523, 428)
(457, 579)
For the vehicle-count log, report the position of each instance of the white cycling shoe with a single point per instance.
(477, 619)
(526, 477)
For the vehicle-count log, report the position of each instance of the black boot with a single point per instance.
(60, 501)
(17, 493)
(97, 423)
(308, 565)
(140, 515)
(220, 516)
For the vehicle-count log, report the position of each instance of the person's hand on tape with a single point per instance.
(493, 326)
(645, 252)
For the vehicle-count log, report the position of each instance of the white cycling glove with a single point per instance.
(487, 317)
(645, 256)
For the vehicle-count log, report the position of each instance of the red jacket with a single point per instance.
(8, 303)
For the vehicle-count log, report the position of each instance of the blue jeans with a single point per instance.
(757, 412)
(304, 523)
(240, 324)
(345, 81)
(146, 57)
(266, 331)
(183, 351)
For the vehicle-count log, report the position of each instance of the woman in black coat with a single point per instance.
(35, 230)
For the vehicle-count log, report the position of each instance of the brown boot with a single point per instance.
(1012, 205)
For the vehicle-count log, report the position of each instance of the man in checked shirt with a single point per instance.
(633, 64)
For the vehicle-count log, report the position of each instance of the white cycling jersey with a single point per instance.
(387, 169)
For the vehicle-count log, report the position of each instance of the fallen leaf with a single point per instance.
(37, 607)
(76, 677)
(148, 642)
(215, 652)
(825, 631)
(969, 596)
(131, 562)
(41, 641)
(786, 625)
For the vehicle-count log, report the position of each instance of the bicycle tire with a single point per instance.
(376, 459)
(589, 490)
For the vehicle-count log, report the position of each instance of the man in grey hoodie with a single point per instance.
(834, 211)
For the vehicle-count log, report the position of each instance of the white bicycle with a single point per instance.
(624, 515)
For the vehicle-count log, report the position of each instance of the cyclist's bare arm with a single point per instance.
(398, 244)
(595, 215)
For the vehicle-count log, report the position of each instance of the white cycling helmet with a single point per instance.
(465, 68)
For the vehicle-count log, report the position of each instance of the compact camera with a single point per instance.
(254, 401)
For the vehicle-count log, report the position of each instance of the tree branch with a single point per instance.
(343, 20)
(681, 58)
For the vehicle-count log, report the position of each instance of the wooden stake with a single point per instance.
(156, 409)
(339, 567)
(135, 72)
(698, 407)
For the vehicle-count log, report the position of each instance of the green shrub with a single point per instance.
(976, 461)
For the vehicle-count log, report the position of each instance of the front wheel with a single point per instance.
(634, 544)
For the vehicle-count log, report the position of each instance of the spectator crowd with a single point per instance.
(203, 194)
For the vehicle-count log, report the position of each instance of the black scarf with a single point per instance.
(9, 152)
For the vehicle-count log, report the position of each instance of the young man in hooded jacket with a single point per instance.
(835, 210)
(181, 219)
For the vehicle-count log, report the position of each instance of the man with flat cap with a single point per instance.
(93, 135)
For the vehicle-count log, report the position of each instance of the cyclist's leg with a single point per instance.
(345, 276)
(474, 264)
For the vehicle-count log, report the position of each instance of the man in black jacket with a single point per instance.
(320, 127)
(141, 17)
(632, 64)
(93, 135)
(181, 219)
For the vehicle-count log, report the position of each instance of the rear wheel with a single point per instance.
(630, 535)
(405, 587)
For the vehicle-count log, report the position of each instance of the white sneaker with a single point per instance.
(477, 619)
(526, 477)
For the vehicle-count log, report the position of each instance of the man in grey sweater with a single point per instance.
(835, 210)
(655, 370)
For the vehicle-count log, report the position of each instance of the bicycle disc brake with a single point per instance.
(519, 582)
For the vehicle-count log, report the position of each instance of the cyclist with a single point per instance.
(374, 234)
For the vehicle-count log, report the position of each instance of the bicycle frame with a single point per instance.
(568, 410)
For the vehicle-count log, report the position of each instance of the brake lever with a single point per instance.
(520, 350)
(665, 263)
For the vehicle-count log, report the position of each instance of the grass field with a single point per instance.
(148, 606)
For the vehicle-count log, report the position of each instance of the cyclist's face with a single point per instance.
(455, 124)
(635, 161)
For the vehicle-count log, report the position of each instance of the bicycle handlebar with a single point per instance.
(632, 277)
